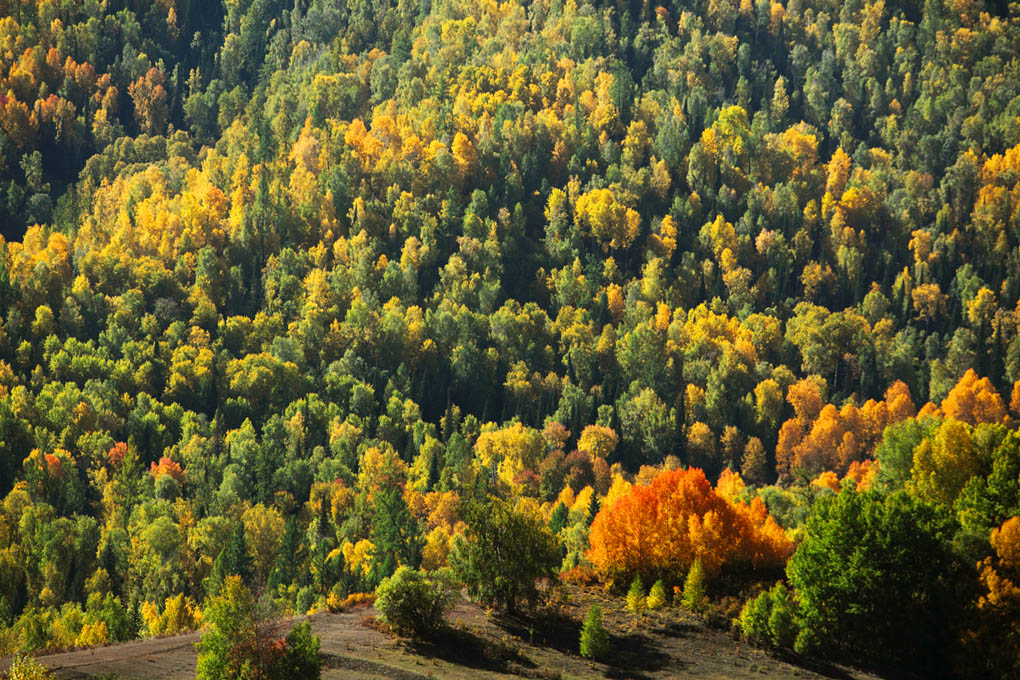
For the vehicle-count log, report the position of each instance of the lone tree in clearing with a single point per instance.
(503, 553)
(594, 638)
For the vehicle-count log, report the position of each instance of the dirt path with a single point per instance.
(171, 658)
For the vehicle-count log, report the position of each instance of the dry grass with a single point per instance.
(670, 643)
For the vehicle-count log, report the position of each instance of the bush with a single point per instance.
(657, 596)
(754, 619)
(636, 596)
(782, 617)
(594, 638)
(27, 668)
(301, 655)
(695, 594)
(414, 602)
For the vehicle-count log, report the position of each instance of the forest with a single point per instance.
(294, 293)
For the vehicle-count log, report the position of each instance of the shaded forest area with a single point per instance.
(286, 284)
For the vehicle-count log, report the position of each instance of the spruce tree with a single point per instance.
(236, 559)
(558, 519)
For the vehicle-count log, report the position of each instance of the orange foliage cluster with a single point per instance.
(863, 473)
(54, 466)
(995, 574)
(168, 467)
(660, 529)
(999, 606)
(822, 438)
(117, 453)
(974, 400)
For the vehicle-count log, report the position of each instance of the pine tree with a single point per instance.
(558, 519)
(236, 559)
(594, 638)
(593, 508)
(286, 557)
(395, 534)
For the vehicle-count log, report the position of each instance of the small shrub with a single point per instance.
(305, 599)
(636, 596)
(27, 668)
(580, 575)
(414, 602)
(807, 641)
(695, 594)
(358, 599)
(657, 596)
(594, 638)
(333, 605)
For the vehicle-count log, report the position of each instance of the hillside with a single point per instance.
(477, 646)
(305, 291)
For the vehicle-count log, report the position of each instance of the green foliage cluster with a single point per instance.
(243, 640)
(415, 602)
(873, 572)
(695, 592)
(503, 554)
(870, 576)
(594, 636)
(636, 597)
(770, 618)
(656, 596)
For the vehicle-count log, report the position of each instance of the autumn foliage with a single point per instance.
(659, 529)
(285, 285)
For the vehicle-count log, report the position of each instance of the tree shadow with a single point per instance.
(462, 648)
(548, 628)
(677, 629)
(828, 669)
(632, 655)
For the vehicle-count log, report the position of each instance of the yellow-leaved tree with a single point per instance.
(614, 225)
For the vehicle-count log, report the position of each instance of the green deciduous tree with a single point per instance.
(875, 577)
(503, 553)
(245, 641)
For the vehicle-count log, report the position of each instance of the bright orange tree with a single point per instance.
(659, 529)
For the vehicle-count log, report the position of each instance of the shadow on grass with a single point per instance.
(830, 669)
(677, 629)
(630, 655)
(548, 628)
(462, 648)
